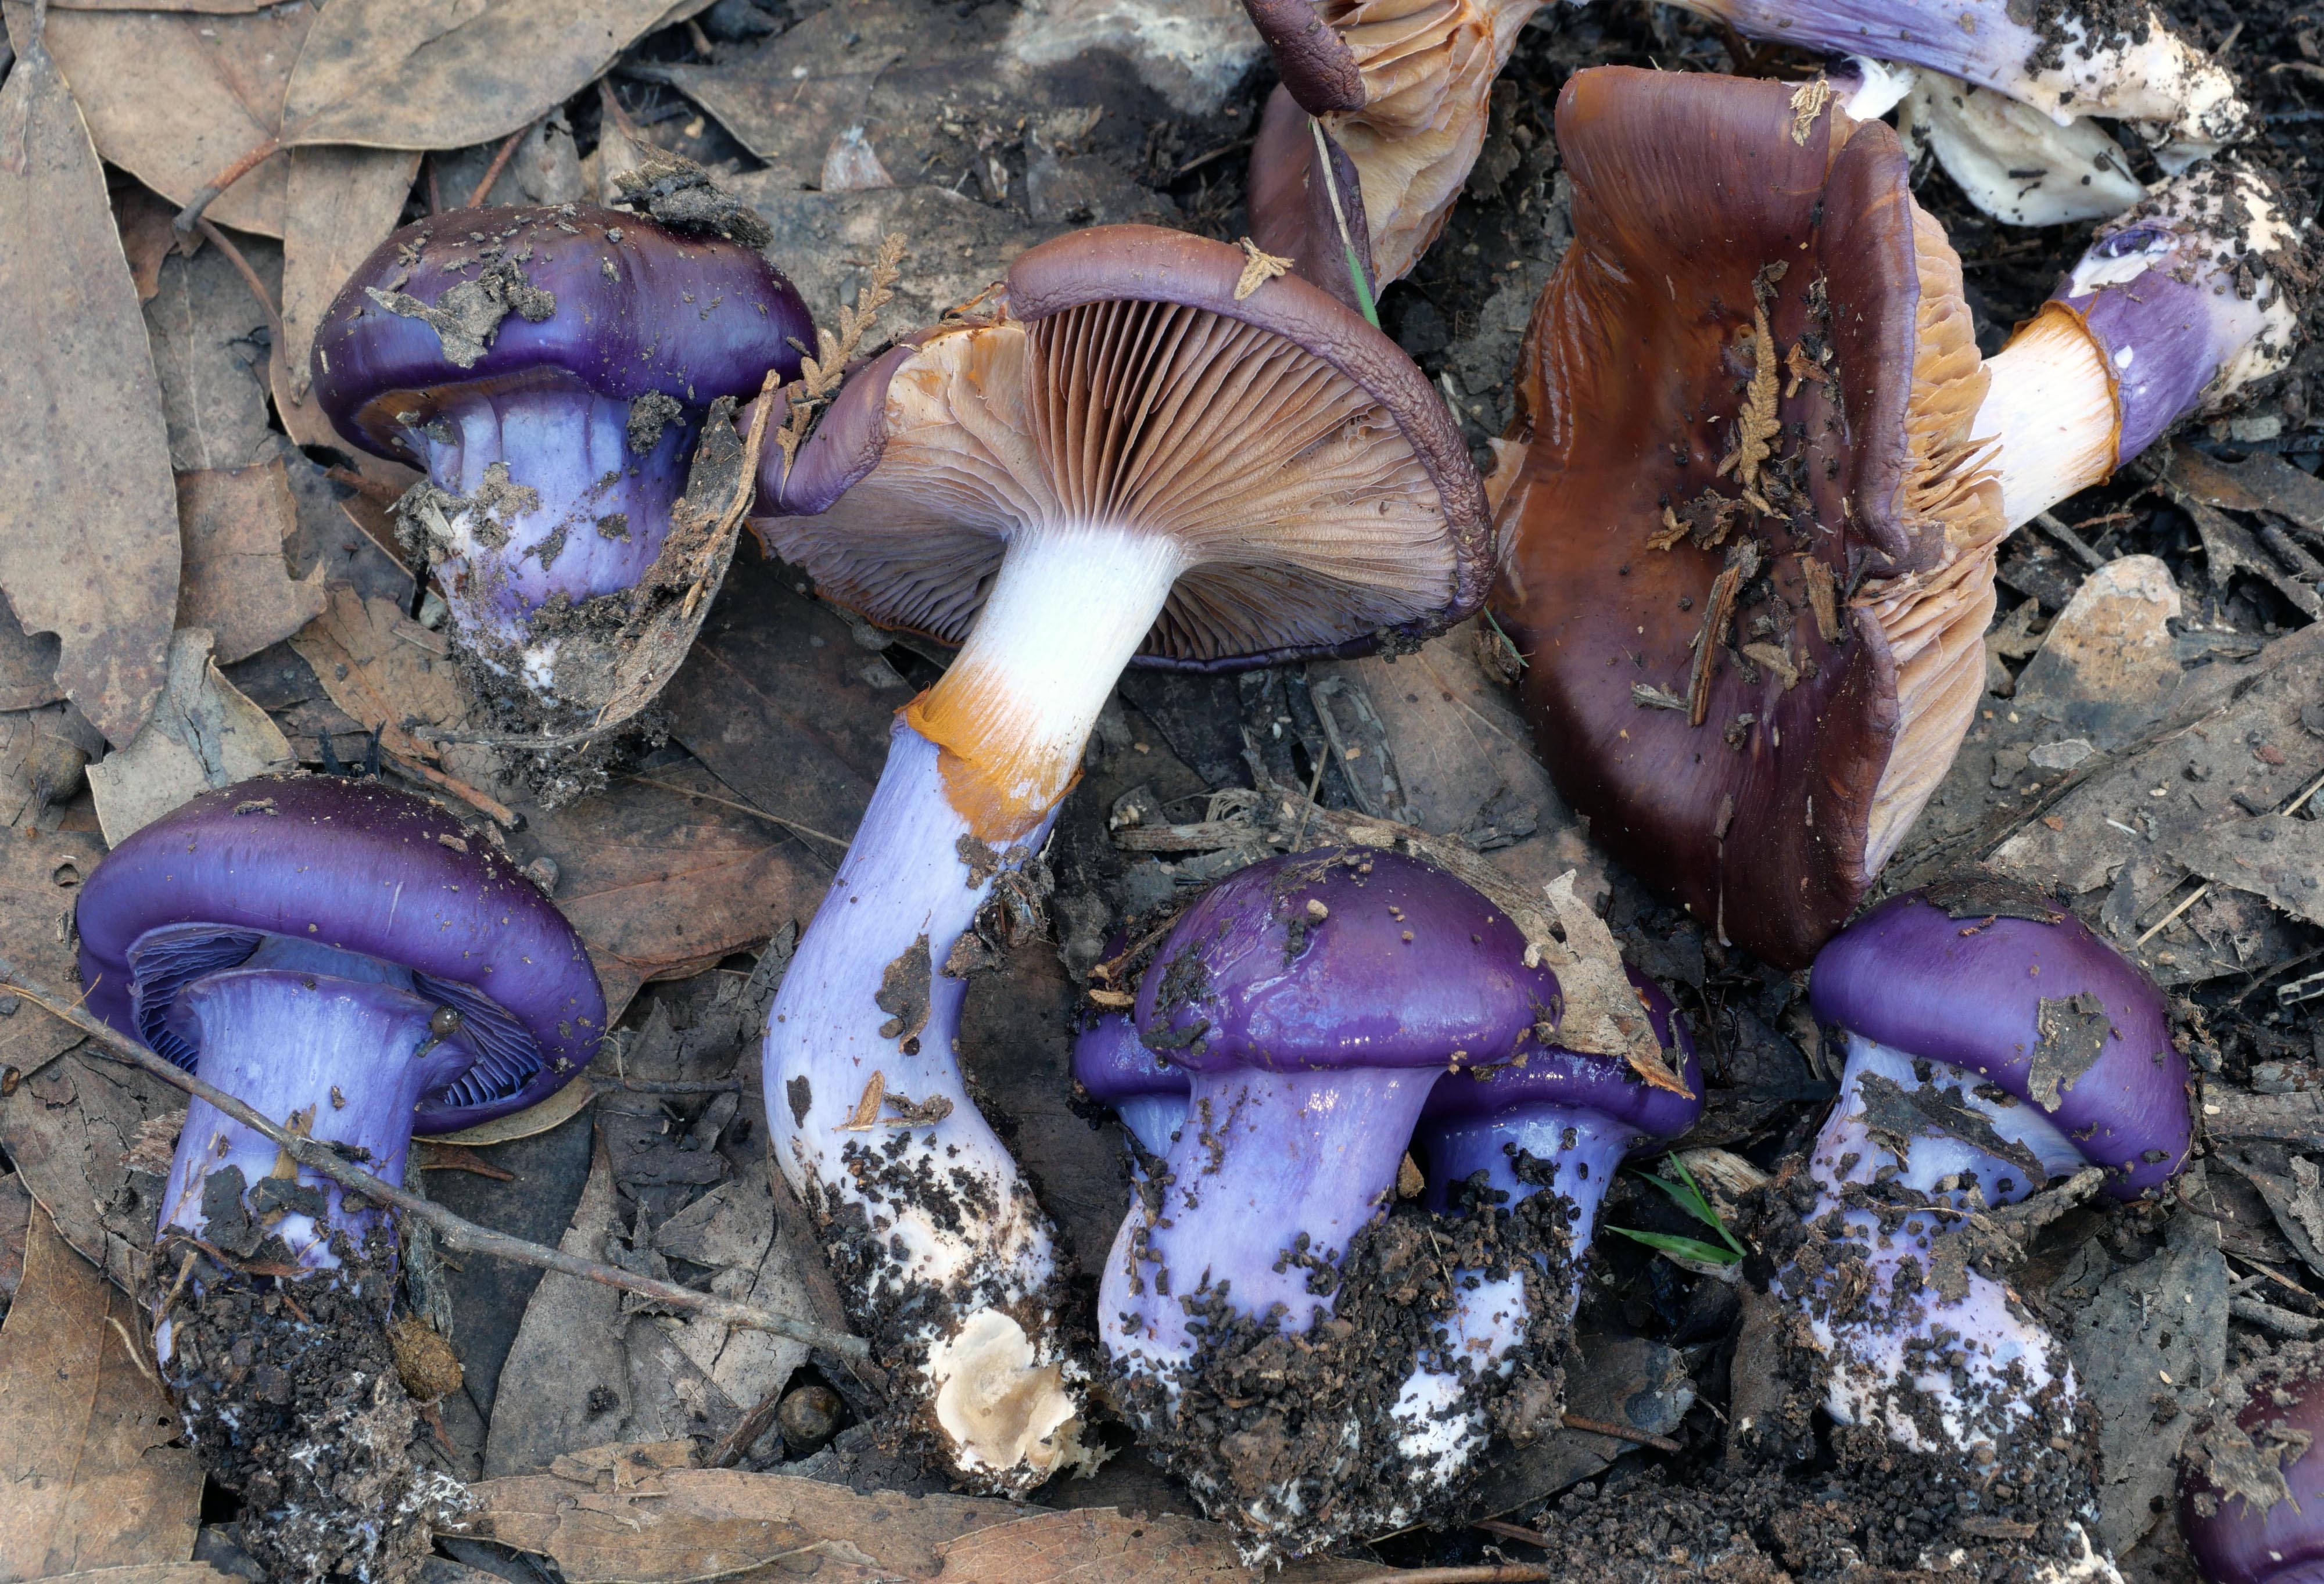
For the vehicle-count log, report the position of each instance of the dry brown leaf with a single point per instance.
(340, 203)
(28, 666)
(1601, 1009)
(388, 672)
(210, 337)
(89, 516)
(89, 1478)
(443, 74)
(662, 885)
(149, 234)
(204, 734)
(621, 1514)
(40, 879)
(173, 100)
(92, 1138)
(16, 1225)
(236, 522)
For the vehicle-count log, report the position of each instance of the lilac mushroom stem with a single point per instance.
(2064, 65)
(1490, 1138)
(2178, 306)
(1993, 1044)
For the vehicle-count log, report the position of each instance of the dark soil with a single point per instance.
(287, 1383)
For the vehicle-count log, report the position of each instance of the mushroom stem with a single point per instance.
(536, 494)
(2183, 101)
(345, 1059)
(1941, 1362)
(1270, 1178)
(2173, 310)
(1069, 607)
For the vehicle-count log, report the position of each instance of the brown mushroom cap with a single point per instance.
(1308, 472)
(1746, 398)
(1425, 72)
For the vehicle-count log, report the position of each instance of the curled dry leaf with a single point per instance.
(88, 517)
(175, 98)
(90, 1479)
(203, 735)
(338, 205)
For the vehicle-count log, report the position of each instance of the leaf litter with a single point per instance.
(2179, 654)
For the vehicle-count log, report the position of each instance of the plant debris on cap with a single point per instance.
(1748, 546)
(1404, 91)
(1300, 460)
(1984, 976)
(2251, 1488)
(358, 867)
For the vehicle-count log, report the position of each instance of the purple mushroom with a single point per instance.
(354, 963)
(2081, 58)
(550, 369)
(1150, 449)
(1492, 1137)
(1112, 1065)
(1314, 1000)
(2250, 1491)
(1994, 1043)
(2176, 307)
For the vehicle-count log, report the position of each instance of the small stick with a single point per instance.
(747, 1430)
(500, 164)
(839, 841)
(464, 1236)
(507, 818)
(2049, 523)
(1490, 1573)
(232, 254)
(1518, 1533)
(2160, 924)
(190, 215)
(1661, 1444)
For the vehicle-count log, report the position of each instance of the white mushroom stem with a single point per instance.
(935, 1233)
(2050, 411)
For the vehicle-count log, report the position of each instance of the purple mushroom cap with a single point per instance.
(1114, 1064)
(1340, 957)
(1552, 1075)
(630, 309)
(356, 867)
(2239, 1538)
(1994, 981)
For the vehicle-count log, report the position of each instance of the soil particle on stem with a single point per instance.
(287, 1383)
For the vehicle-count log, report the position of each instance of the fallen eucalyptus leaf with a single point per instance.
(203, 736)
(88, 517)
(236, 522)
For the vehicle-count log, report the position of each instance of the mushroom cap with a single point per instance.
(2241, 1535)
(1403, 967)
(356, 867)
(1745, 399)
(1311, 476)
(1114, 1064)
(1550, 1076)
(1982, 975)
(692, 317)
(1292, 214)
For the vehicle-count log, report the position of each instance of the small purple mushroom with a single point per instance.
(2250, 1491)
(551, 368)
(1498, 1134)
(1994, 1043)
(2176, 306)
(1314, 1000)
(1113, 1065)
(351, 961)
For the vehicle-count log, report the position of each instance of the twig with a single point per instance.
(1516, 1532)
(507, 818)
(1314, 783)
(129, 1346)
(1661, 1444)
(838, 842)
(232, 254)
(730, 1447)
(2049, 523)
(2160, 924)
(500, 164)
(464, 1236)
(210, 190)
(1488, 1573)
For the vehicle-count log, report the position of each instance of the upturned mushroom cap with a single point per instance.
(612, 302)
(1552, 1075)
(356, 867)
(1980, 974)
(1341, 958)
(1295, 456)
(1749, 551)
(2250, 1491)
(1405, 89)
(1304, 192)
